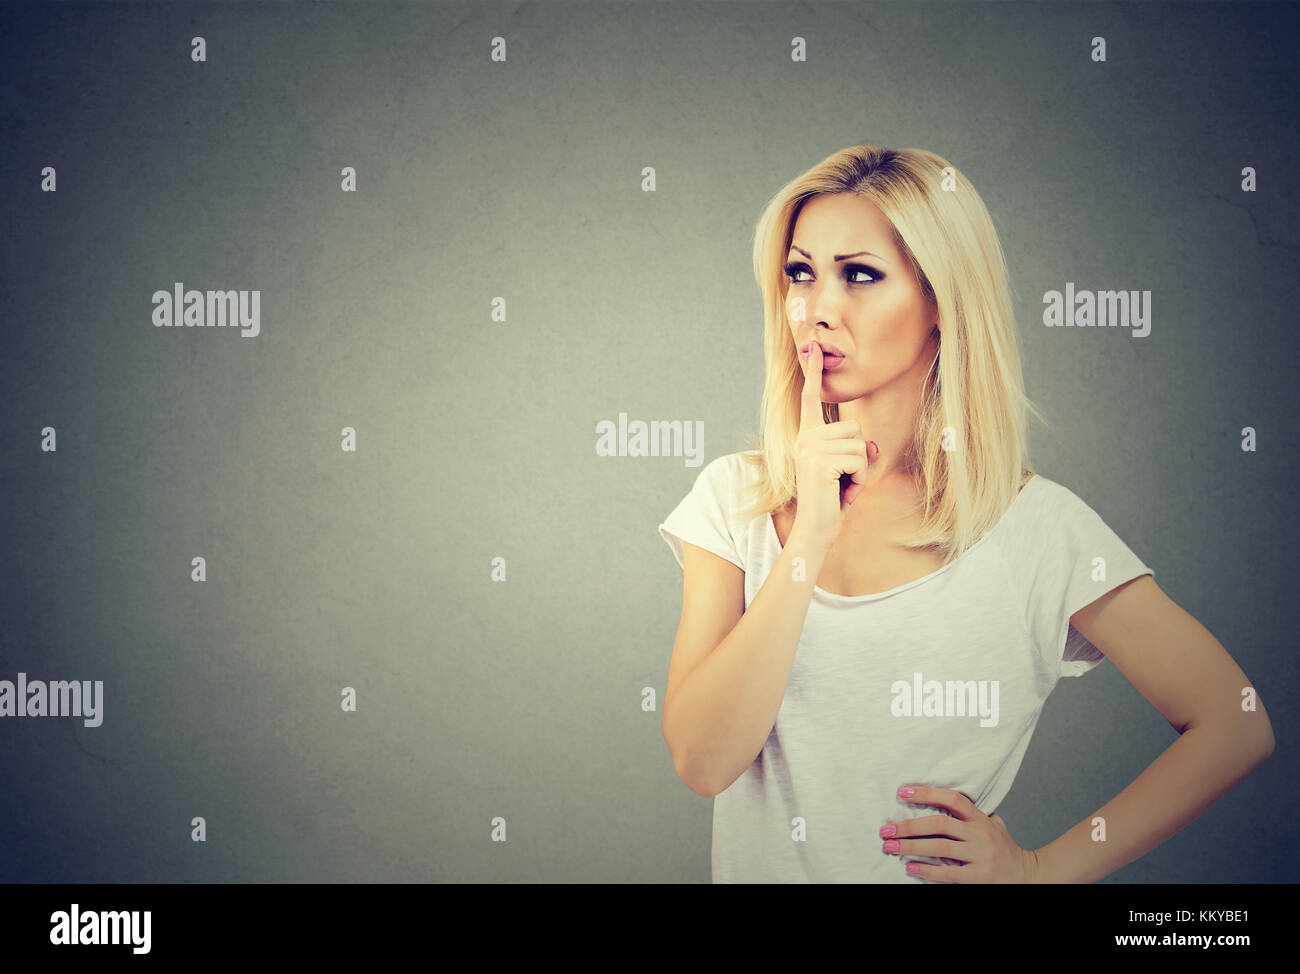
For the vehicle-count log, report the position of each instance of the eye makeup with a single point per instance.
(796, 267)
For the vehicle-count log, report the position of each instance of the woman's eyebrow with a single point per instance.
(839, 257)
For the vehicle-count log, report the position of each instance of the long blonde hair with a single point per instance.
(944, 231)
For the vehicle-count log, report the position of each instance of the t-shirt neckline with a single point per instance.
(775, 541)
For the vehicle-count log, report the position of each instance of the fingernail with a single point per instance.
(875, 449)
(891, 846)
(906, 792)
(887, 830)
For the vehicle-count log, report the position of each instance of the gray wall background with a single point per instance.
(521, 179)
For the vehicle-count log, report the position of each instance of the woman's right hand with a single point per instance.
(824, 451)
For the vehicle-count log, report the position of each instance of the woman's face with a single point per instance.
(867, 305)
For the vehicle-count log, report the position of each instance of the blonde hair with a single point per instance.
(944, 232)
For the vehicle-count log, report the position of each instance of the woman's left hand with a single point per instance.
(981, 842)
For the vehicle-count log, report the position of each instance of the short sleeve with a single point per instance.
(704, 516)
(1069, 558)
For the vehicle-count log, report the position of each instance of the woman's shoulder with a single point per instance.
(722, 476)
(735, 468)
(1044, 508)
(732, 480)
(1047, 492)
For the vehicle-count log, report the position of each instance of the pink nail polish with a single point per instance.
(887, 830)
(913, 868)
(906, 792)
(891, 845)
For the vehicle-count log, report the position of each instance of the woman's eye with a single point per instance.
(793, 270)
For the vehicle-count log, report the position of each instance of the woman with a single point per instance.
(883, 597)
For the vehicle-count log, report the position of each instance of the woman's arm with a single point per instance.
(727, 679)
(1189, 677)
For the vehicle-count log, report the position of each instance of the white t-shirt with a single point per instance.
(860, 715)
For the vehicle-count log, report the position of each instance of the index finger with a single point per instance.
(810, 408)
(956, 802)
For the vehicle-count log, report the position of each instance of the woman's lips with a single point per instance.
(831, 359)
(826, 347)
